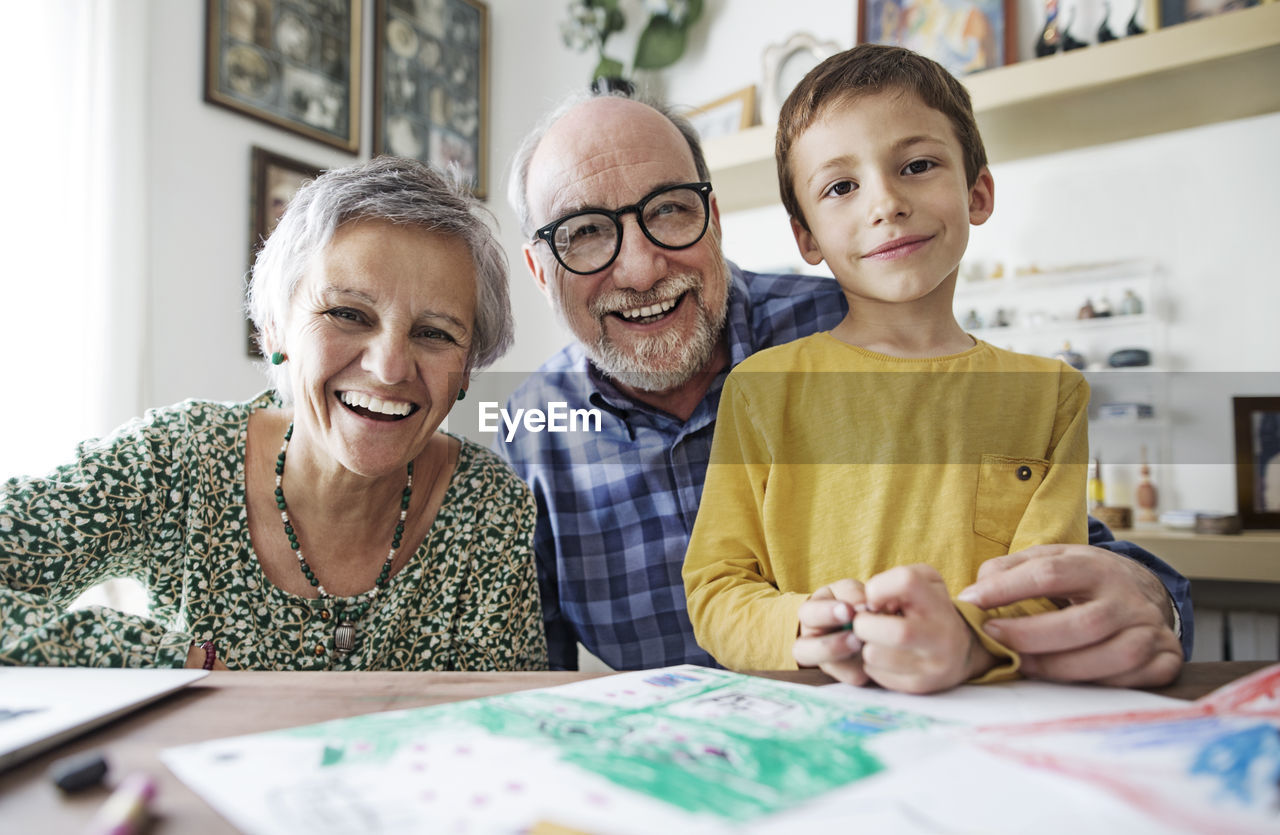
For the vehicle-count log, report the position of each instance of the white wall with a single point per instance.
(1201, 201)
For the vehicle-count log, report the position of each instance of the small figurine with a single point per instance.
(972, 321)
(1002, 318)
(1050, 37)
(1072, 358)
(1069, 43)
(1102, 308)
(1104, 31)
(1133, 28)
(1146, 493)
(1086, 311)
(1130, 304)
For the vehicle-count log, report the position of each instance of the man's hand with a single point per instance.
(825, 640)
(1117, 630)
(914, 639)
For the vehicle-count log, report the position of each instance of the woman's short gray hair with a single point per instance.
(393, 189)
(518, 176)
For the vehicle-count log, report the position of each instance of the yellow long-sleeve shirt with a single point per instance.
(831, 461)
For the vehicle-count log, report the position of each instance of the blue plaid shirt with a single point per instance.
(616, 507)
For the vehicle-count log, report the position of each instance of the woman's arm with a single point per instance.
(88, 521)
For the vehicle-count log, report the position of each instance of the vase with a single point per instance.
(605, 85)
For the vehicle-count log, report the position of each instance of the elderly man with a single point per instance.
(624, 238)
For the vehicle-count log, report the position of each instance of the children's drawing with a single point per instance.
(692, 750)
(684, 742)
(1213, 766)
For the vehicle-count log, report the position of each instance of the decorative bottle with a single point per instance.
(1146, 493)
(1097, 497)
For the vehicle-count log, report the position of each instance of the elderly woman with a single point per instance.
(327, 524)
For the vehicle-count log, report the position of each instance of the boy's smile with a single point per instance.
(881, 181)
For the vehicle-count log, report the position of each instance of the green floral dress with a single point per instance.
(162, 500)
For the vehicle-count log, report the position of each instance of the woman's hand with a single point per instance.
(826, 640)
(914, 640)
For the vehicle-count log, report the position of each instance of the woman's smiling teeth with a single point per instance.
(648, 313)
(375, 407)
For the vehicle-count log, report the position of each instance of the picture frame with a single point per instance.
(785, 64)
(274, 180)
(1257, 445)
(294, 64)
(990, 28)
(726, 115)
(431, 85)
(1173, 12)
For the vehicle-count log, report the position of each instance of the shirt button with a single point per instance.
(319, 649)
(1024, 473)
(324, 614)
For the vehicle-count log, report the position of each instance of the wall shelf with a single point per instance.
(1252, 557)
(1198, 73)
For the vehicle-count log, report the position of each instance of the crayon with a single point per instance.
(126, 810)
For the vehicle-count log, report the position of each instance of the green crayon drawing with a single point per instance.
(727, 745)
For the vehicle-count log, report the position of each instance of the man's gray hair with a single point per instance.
(518, 177)
(393, 189)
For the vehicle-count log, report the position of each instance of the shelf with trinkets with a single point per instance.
(1195, 73)
(1110, 320)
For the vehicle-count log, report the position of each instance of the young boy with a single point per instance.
(896, 449)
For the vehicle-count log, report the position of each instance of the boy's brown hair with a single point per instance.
(864, 70)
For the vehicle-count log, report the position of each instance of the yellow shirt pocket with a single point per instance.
(1005, 488)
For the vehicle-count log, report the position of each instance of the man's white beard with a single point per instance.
(660, 362)
(665, 360)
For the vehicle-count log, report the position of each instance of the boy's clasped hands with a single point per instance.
(900, 629)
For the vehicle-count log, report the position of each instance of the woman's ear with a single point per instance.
(807, 244)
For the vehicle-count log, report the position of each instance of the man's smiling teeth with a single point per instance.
(373, 404)
(651, 310)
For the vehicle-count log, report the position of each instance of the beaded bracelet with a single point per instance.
(210, 654)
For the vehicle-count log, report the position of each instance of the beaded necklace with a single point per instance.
(344, 634)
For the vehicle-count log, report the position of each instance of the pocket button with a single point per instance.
(1024, 473)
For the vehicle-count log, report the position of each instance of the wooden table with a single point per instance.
(232, 703)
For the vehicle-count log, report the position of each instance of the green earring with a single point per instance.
(277, 358)
(462, 394)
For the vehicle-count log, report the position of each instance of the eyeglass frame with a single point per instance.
(547, 233)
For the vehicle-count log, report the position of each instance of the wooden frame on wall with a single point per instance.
(1257, 436)
(431, 85)
(294, 64)
(725, 115)
(273, 182)
(991, 27)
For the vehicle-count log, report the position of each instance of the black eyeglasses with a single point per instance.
(585, 242)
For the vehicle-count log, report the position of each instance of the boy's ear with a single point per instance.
(982, 197)
(808, 245)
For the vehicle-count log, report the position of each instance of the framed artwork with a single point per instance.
(725, 115)
(965, 36)
(431, 84)
(1257, 435)
(294, 64)
(1180, 11)
(273, 182)
(785, 64)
